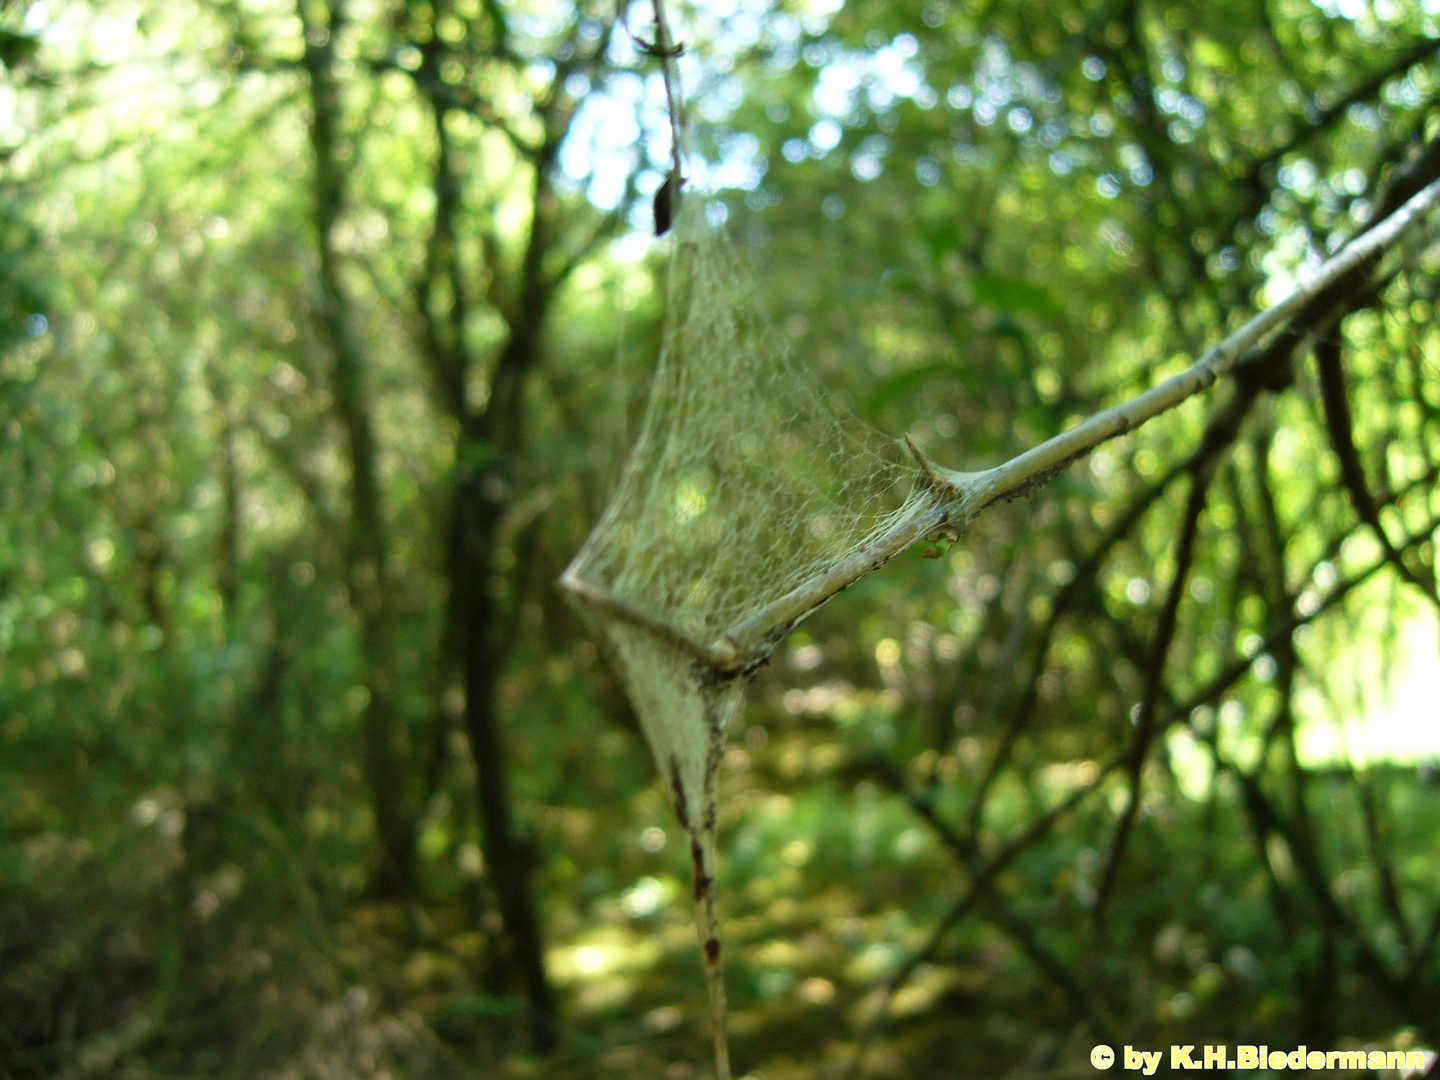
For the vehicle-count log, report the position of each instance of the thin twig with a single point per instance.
(1313, 876)
(1377, 842)
(1146, 719)
(1341, 426)
(668, 53)
(1328, 115)
(1421, 956)
(756, 635)
(982, 880)
(1285, 628)
(716, 655)
(964, 848)
(1221, 431)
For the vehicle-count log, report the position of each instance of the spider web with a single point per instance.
(746, 479)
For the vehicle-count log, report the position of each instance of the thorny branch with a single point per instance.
(1257, 353)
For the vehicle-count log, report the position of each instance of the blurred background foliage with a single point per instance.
(323, 328)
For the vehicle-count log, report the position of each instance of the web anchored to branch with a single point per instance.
(749, 499)
(746, 484)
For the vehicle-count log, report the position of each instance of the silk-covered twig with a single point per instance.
(754, 637)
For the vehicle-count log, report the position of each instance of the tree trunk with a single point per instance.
(384, 743)
(507, 854)
(491, 439)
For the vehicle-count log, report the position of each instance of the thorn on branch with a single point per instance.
(654, 48)
(934, 479)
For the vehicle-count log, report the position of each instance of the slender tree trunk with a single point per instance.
(384, 743)
(491, 438)
(501, 430)
(507, 854)
(228, 552)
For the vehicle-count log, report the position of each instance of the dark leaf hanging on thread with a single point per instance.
(667, 201)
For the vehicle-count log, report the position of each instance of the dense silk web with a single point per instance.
(745, 481)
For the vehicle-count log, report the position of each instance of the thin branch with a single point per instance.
(446, 359)
(1082, 1001)
(1329, 115)
(668, 52)
(714, 655)
(1221, 431)
(444, 96)
(1377, 841)
(982, 879)
(607, 228)
(754, 637)
(1312, 874)
(1350, 290)
(1426, 949)
(1341, 425)
(1146, 721)
(1285, 627)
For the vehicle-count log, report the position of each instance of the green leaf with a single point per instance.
(16, 50)
(1016, 296)
(908, 381)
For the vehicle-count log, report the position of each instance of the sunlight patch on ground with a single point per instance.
(603, 953)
